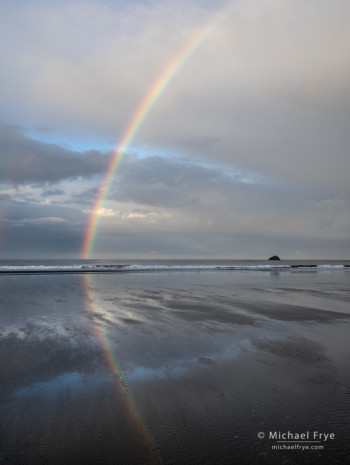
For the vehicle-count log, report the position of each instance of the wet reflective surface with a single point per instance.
(173, 368)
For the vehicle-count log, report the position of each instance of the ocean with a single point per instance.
(174, 362)
(80, 265)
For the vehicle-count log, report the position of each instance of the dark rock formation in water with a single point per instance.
(274, 257)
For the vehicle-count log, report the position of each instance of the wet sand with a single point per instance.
(174, 368)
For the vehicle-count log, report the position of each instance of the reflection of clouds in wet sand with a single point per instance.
(43, 355)
(74, 381)
(186, 366)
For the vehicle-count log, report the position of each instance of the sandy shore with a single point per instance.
(175, 370)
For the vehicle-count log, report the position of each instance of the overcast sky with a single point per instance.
(244, 155)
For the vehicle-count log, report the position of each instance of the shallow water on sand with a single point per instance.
(174, 368)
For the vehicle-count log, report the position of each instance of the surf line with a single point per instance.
(148, 441)
(151, 97)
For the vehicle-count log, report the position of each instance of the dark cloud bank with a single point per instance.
(159, 205)
(24, 160)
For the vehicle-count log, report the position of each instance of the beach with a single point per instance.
(165, 366)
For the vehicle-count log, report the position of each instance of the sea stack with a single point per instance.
(274, 257)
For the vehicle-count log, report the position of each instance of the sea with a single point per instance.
(115, 265)
(174, 362)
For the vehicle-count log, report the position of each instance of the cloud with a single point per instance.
(32, 230)
(102, 212)
(23, 159)
(178, 195)
(171, 182)
(178, 205)
(50, 220)
(32, 211)
(53, 192)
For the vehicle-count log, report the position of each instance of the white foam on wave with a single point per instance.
(330, 266)
(164, 267)
(44, 268)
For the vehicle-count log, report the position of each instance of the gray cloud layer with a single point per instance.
(258, 120)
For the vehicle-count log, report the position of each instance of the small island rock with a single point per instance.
(274, 257)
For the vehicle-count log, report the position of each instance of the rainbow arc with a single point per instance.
(142, 111)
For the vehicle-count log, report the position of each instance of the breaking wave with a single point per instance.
(111, 268)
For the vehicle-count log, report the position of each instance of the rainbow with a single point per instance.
(153, 455)
(136, 121)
